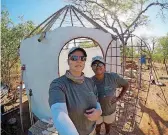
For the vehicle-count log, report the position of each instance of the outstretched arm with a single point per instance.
(62, 122)
(57, 102)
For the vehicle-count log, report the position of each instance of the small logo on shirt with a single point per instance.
(91, 93)
(107, 88)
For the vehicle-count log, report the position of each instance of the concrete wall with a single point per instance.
(42, 60)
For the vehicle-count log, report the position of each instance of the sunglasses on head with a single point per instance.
(75, 58)
(95, 65)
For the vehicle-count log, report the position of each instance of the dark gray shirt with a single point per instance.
(78, 98)
(106, 90)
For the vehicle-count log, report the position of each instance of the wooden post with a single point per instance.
(166, 65)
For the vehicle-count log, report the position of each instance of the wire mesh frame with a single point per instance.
(73, 12)
(133, 102)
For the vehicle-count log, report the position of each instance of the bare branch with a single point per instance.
(98, 4)
(113, 23)
(163, 5)
(113, 9)
(119, 24)
(105, 18)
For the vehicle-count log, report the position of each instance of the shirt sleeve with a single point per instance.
(120, 81)
(56, 93)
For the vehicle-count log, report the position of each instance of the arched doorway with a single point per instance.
(91, 47)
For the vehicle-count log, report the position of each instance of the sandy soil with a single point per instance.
(155, 117)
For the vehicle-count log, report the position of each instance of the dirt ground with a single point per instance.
(155, 116)
(15, 129)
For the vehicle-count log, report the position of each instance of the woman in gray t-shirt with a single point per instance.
(106, 86)
(73, 99)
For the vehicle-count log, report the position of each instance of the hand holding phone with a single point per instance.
(92, 114)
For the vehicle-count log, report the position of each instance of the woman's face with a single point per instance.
(76, 61)
(98, 68)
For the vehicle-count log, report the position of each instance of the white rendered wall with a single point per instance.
(42, 58)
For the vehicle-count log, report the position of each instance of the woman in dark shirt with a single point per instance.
(106, 86)
(73, 100)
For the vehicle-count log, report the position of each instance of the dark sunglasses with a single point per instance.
(95, 65)
(75, 58)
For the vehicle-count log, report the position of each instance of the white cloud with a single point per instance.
(150, 31)
(144, 32)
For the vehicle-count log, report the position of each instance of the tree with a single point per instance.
(162, 50)
(163, 47)
(163, 41)
(120, 17)
(87, 44)
(160, 53)
(10, 41)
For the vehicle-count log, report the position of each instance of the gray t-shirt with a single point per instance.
(78, 98)
(106, 90)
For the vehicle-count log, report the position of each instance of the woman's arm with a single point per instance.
(62, 122)
(57, 102)
(123, 91)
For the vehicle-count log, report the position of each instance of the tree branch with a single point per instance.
(98, 4)
(163, 5)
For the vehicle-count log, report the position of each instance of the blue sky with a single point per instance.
(35, 10)
(156, 27)
(39, 10)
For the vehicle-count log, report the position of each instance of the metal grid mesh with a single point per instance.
(128, 64)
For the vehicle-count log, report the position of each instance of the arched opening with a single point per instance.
(91, 47)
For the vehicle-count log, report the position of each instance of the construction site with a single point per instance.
(142, 111)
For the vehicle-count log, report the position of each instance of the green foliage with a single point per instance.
(10, 41)
(127, 8)
(161, 50)
(163, 46)
(87, 45)
(157, 57)
(129, 52)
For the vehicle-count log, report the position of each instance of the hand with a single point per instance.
(93, 114)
